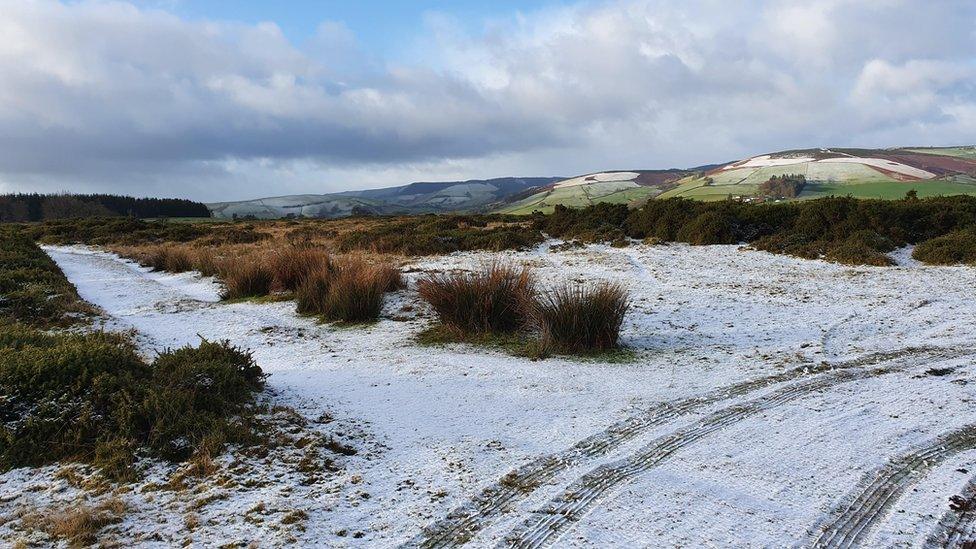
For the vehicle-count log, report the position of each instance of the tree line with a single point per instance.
(23, 207)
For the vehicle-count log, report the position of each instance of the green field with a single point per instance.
(888, 190)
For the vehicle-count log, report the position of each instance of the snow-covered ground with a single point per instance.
(766, 393)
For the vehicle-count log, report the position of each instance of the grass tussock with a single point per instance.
(578, 318)
(247, 277)
(77, 525)
(348, 289)
(491, 300)
(293, 264)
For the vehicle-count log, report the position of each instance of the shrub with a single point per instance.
(580, 318)
(491, 300)
(862, 248)
(952, 249)
(192, 393)
(246, 277)
(709, 228)
(60, 395)
(92, 398)
(292, 265)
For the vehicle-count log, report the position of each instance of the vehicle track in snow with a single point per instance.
(545, 525)
(856, 516)
(957, 527)
(464, 522)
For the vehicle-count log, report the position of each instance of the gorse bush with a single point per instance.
(952, 249)
(32, 288)
(192, 393)
(92, 398)
(578, 318)
(491, 300)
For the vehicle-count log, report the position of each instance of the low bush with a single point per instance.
(33, 290)
(193, 393)
(246, 277)
(579, 319)
(955, 248)
(92, 398)
(712, 227)
(862, 248)
(491, 300)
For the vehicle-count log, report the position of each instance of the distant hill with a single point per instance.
(423, 197)
(863, 173)
(42, 207)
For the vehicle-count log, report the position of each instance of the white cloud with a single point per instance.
(109, 96)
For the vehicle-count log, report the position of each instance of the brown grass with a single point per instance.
(78, 525)
(245, 277)
(578, 318)
(491, 300)
(348, 289)
(292, 265)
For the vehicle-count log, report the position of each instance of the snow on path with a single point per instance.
(454, 419)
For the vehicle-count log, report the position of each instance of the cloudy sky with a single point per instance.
(220, 100)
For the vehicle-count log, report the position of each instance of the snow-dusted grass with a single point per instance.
(434, 425)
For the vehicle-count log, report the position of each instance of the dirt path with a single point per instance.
(957, 528)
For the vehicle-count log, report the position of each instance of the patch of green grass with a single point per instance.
(888, 190)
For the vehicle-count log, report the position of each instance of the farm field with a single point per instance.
(763, 397)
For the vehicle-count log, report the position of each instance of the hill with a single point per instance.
(421, 197)
(862, 173)
(786, 175)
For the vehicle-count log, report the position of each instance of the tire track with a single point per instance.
(957, 528)
(857, 515)
(463, 522)
(546, 525)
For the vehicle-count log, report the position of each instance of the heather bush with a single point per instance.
(491, 300)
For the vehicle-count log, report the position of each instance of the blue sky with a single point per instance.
(380, 25)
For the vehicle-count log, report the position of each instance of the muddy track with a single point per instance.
(857, 515)
(957, 528)
(463, 522)
(547, 524)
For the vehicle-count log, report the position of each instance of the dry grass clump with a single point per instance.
(578, 318)
(78, 525)
(347, 290)
(491, 300)
(249, 276)
(292, 265)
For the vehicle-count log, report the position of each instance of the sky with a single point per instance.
(216, 100)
